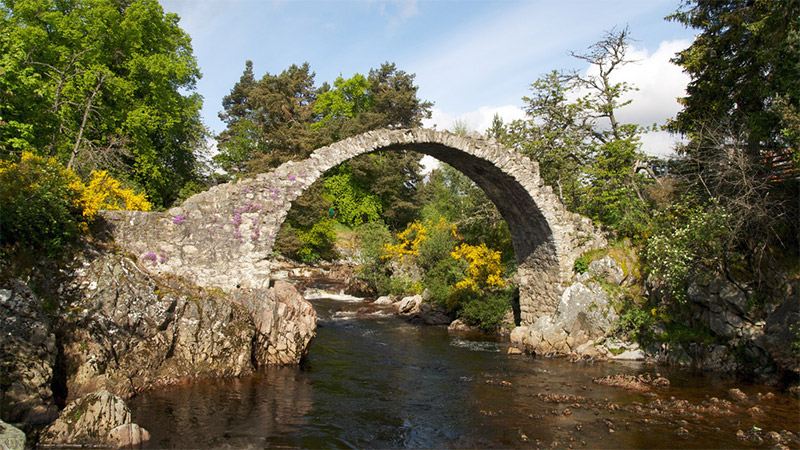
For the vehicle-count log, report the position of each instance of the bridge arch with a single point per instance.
(224, 237)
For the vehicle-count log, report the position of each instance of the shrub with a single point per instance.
(488, 309)
(635, 321)
(485, 269)
(40, 204)
(104, 192)
(581, 265)
(689, 239)
(44, 206)
(374, 269)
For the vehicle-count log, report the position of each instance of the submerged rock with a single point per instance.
(459, 325)
(97, 419)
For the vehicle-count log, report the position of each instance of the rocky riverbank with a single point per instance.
(103, 322)
(723, 327)
(733, 334)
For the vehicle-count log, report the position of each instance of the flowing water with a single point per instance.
(377, 381)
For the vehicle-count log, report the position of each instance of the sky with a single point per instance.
(471, 58)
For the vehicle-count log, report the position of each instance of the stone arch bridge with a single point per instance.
(223, 237)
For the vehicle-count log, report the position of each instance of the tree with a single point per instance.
(741, 116)
(591, 159)
(387, 98)
(268, 122)
(99, 84)
(743, 66)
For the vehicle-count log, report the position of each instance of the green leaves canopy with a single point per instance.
(745, 71)
(100, 84)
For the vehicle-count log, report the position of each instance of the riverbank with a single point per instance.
(101, 321)
(721, 332)
(378, 381)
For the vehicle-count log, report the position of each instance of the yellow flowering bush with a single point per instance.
(104, 192)
(412, 238)
(485, 268)
(44, 205)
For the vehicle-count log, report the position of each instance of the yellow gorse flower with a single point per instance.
(485, 267)
(104, 192)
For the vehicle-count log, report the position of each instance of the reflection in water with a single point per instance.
(384, 383)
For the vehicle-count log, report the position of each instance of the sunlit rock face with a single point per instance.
(223, 237)
(129, 331)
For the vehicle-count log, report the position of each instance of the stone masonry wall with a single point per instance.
(223, 237)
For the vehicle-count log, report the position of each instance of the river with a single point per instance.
(377, 381)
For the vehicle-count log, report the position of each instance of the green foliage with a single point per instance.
(308, 234)
(795, 330)
(309, 245)
(592, 161)
(268, 122)
(741, 111)
(440, 279)
(372, 266)
(581, 265)
(40, 206)
(635, 321)
(44, 206)
(679, 333)
(100, 84)
(353, 202)
(347, 99)
(487, 310)
(744, 60)
(449, 194)
(613, 194)
(688, 239)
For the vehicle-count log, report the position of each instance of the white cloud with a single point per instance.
(659, 84)
(479, 120)
(660, 143)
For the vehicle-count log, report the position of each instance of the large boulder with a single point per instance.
(27, 357)
(409, 305)
(97, 419)
(284, 321)
(781, 335)
(584, 314)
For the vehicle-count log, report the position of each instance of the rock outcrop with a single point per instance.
(132, 331)
(117, 327)
(11, 437)
(97, 419)
(584, 314)
(27, 357)
(745, 337)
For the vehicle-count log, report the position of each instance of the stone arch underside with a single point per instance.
(223, 237)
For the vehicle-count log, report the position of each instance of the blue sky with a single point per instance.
(471, 58)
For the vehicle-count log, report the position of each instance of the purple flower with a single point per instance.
(302, 175)
(237, 219)
(163, 259)
(291, 177)
(245, 189)
(179, 219)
